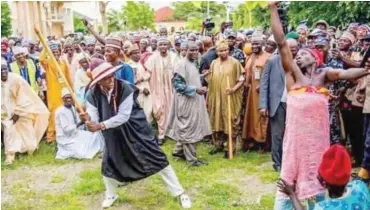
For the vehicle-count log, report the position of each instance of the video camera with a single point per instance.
(208, 24)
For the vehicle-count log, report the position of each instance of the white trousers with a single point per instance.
(168, 176)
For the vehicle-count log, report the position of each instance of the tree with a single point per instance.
(102, 10)
(115, 22)
(78, 25)
(335, 13)
(137, 15)
(250, 14)
(194, 12)
(6, 23)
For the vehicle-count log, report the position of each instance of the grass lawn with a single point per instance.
(41, 182)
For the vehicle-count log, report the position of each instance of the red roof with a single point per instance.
(164, 14)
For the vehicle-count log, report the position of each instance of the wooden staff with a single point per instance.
(60, 72)
(230, 140)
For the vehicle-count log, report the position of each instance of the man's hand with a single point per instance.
(86, 23)
(84, 116)
(336, 54)
(263, 112)
(285, 188)
(139, 81)
(201, 91)
(15, 118)
(93, 127)
(206, 73)
(230, 91)
(146, 92)
(258, 89)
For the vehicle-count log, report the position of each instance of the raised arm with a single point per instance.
(277, 31)
(93, 32)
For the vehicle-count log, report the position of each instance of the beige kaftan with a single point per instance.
(162, 69)
(17, 97)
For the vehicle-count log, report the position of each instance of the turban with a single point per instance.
(336, 167)
(349, 36)
(319, 57)
(257, 36)
(17, 50)
(222, 44)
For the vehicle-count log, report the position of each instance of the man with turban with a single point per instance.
(254, 126)
(161, 65)
(26, 68)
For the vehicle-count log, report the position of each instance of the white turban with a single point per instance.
(17, 50)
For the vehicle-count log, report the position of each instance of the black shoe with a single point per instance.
(196, 164)
(215, 151)
(182, 156)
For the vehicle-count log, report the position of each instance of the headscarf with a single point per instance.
(348, 35)
(319, 57)
(292, 35)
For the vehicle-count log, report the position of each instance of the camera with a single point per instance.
(208, 24)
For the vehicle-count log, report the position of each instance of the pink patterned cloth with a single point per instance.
(307, 137)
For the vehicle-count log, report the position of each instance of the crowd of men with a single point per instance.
(303, 95)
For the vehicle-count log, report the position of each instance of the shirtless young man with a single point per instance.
(307, 120)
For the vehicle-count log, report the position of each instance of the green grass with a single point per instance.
(56, 178)
(218, 185)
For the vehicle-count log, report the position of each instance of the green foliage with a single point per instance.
(335, 13)
(250, 14)
(78, 25)
(134, 15)
(194, 12)
(115, 22)
(6, 23)
(138, 15)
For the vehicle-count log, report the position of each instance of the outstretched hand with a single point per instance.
(285, 187)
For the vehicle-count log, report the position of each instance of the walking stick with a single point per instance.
(60, 72)
(230, 139)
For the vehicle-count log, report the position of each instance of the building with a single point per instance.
(51, 17)
(164, 18)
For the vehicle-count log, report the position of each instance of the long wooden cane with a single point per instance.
(230, 139)
(59, 69)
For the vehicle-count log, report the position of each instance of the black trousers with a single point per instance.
(277, 123)
(366, 160)
(354, 126)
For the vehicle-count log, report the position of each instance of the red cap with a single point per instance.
(336, 166)
(319, 57)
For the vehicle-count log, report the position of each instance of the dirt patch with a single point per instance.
(39, 179)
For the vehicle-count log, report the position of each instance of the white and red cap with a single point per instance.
(101, 69)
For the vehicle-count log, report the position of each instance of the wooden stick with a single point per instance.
(60, 72)
(230, 140)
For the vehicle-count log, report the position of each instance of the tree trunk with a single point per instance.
(102, 9)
